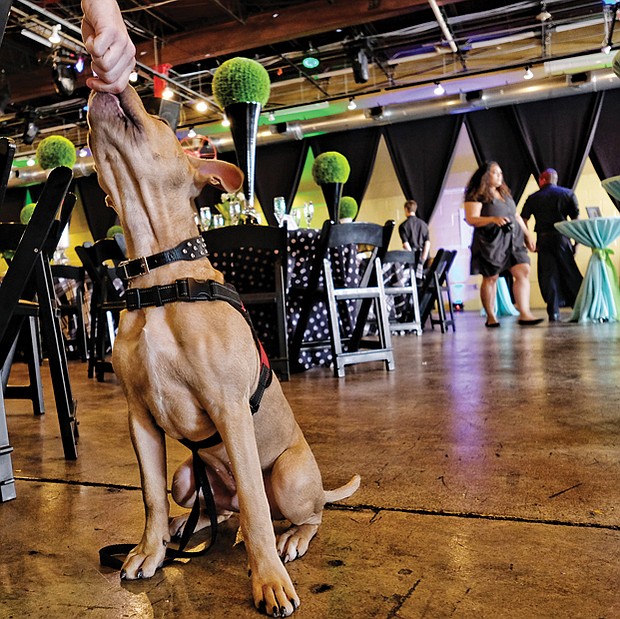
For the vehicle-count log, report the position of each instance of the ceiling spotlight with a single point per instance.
(64, 76)
(272, 116)
(83, 152)
(133, 76)
(528, 75)
(201, 106)
(311, 59)
(167, 93)
(30, 161)
(606, 49)
(439, 89)
(54, 38)
(352, 105)
(191, 133)
(225, 121)
(30, 127)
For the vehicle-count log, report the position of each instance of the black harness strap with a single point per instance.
(190, 290)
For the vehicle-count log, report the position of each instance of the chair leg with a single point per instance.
(334, 321)
(7, 482)
(385, 335)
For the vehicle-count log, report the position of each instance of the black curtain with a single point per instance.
(495, 137)
(421, 153)
(558, 133)
(278, 172)
(99, 216)
(360, 147)
(605, 152)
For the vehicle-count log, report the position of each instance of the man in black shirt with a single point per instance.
(414, 234)
(558, 276)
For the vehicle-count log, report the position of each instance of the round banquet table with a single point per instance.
(598, 299)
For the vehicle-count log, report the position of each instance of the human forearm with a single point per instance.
(108, 43)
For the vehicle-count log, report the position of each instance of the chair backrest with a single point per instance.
(99, 260)
(32, 243)
(401, 256)
(248, 255)
(7, 153)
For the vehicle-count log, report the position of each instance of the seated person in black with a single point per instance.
(414, 235)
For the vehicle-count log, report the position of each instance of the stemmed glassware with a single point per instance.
(234, 210)
(279, 209)
(205, 218)
(308, 212)
(296, 213)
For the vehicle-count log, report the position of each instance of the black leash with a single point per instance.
(114, 555)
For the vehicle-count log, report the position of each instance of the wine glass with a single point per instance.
(279, 208)
(296, 213)
(218, 220)
(309, 212)
(234, 210)
(205, 218)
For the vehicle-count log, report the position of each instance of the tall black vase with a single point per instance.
(243, 119)
(332, 192)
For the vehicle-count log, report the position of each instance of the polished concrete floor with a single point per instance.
(490, 464)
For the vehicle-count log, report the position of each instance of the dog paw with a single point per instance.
(294, 542)
(276, 596)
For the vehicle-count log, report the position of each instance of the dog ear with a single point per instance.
(220, 174)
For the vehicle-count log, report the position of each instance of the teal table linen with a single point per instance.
(599, 296)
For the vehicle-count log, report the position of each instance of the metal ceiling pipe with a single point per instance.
(512, 94)
(444, 26)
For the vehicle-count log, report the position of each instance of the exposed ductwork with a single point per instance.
(511, 94)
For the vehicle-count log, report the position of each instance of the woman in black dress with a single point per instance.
(500, 241)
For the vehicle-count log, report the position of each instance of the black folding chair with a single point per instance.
(30, 258)
(100, 260)
(254, 260)
(435, 292)
(349, 290)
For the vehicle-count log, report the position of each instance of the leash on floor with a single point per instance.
(114, 555)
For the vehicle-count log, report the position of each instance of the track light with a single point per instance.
(54, 38)
(30, 161)
(606, 49)
(225, 121)
(611, 12)
(30, 127)
(439, 89)
(201, 107)
(352, 105)
(311, 59)
(64, 76)
(133, 76)
(528, 75)
(359, 63)
(271, 116)
(191, 133)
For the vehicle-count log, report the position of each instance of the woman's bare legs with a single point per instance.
(521, 290)
(488, 290)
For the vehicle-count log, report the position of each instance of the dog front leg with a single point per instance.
(272, 589)
(150, 447)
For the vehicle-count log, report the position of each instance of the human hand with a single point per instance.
(107, 41)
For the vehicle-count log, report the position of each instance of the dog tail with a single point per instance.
(344, 491)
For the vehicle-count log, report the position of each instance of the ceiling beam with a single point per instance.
(308, 19)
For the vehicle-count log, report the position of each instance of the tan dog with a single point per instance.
(189, 369)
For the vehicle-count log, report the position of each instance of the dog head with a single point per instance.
(139, 158)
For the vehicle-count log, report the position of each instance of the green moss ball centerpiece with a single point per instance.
(241, 88)
(348, 208)
(54, 151)
(330, 171)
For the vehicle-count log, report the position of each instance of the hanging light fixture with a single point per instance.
(191, 133)
(528, 75)
(352, 105)
(311, 59)
(225, 121)
(54, 38)
(439, 89)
